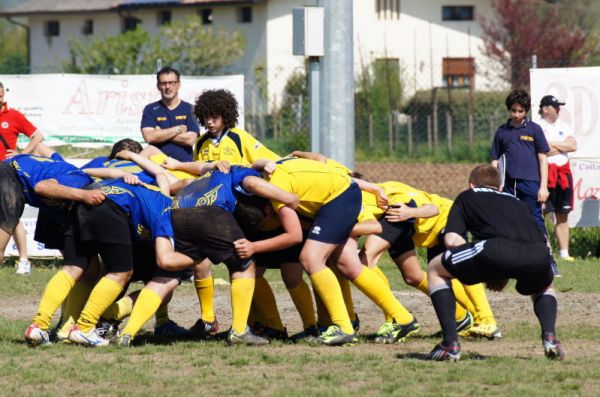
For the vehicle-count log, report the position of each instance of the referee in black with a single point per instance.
(507, 243)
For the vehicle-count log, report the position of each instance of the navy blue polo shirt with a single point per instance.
(520, 145)
(157, 115)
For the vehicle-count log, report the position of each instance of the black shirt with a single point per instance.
(488, 213)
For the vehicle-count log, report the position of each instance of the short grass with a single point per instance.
(511, 366)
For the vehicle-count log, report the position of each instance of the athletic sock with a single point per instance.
(119, 310)
(346, 293)
(76, 300)
(464, 303)
(483, 312)
(145, 306)
(423, 286)
(328, 288)
(242, 290)
(205, 290)
(56, 292)
(370, 284)
(102, 296)
(264, 302)
(162, 314)
(383, 277)
(304, 304)
(444, 304)
(323, 318)
(546, 307)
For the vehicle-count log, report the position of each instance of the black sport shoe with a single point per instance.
(552, 347)
(391, 332)
(445, 352)
(269, 332)
(107, 329)
(204, 329)
(313, 330)
(464, 324)
(355, 323)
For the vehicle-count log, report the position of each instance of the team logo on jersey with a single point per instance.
(115, 190)
(5, 124)
(316, 230)
(143, 232)
(209, 197)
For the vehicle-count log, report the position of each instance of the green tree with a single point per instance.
(187, 44)
(13, 48)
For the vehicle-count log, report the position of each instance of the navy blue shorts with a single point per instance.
(334, 221)
(527, 192)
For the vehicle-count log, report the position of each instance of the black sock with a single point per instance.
(445, 306)
(545, 307)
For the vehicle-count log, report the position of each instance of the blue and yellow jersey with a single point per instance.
(33, 169)
(236, 146)
(314, 183)
(160, 158)
(215, 188)
(148, 209)
(426, 229)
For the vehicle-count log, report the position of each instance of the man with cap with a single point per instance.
(560, 181)
(13, 123)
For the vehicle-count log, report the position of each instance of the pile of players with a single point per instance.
(154, 219)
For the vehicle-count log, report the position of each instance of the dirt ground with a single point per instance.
(513, 313)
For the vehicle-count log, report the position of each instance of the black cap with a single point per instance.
(550, 100)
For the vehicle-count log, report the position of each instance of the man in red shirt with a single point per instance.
(13, 123)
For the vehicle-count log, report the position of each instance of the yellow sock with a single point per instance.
(323, 318)
(162, 314)
(145, 306)
(205, 290)
(102, 296)
(264, 301)
(346, 293)
(56, 292)
(371, 285)
(119, 310)
(76, 301)
(462, 300)
(483, 312)
(383, 277)
(303, 301)
(241, 298)
(326, 284)
(423, 286)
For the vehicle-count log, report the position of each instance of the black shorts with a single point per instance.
(497, 259)
(53, 225)
(274, 259)
(106, 223)
(208, 232)
(398, 235)
(12, 203)
(145, 267)
(560, 200)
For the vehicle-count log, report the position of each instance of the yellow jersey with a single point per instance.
(160, 158)
(427, 230)
(314, 182)
(235, 146)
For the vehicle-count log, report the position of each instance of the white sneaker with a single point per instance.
(86, 338)
(24, 267)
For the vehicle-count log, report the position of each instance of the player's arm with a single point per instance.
(51, 189)
(364, 228)
(399, 212)
(34, 140)
(264, 189)
(494, 163)
(265, 165)
(382, 199)
(180, 184)
(543, 164)
(291, 236)
(113, 173)
(159, 135)
(167, 258)
(195, 167)
(147, 165)
(452, 240)
(309, 155)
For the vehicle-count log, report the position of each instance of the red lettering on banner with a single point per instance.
(80, 98)
(591, 193)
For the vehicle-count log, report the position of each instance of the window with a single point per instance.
(164, 17)
(51, 28)
(458, 13)
(88, 27)
(387, 9)
(130, 23)
(207, 16)
(245, 15)
(458, 72)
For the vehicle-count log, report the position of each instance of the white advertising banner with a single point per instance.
(579, 88)
(77, 108)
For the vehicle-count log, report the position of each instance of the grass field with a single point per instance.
(513, 365)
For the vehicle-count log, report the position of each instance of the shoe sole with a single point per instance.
(83, 341)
